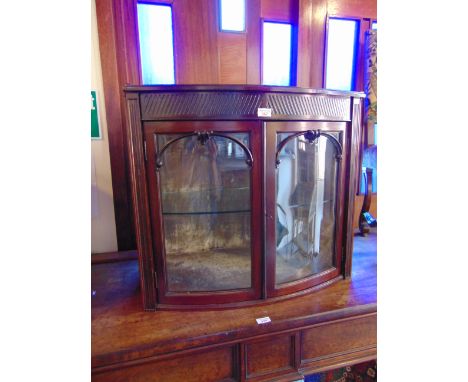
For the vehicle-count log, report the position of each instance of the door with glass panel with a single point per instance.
(205, 198)
(304, 200)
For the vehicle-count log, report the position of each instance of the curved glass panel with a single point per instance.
(305, 207)
(206, 208)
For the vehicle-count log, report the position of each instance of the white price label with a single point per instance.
(264, 112)
(263, 320)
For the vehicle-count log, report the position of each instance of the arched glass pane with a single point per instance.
(305, 211)
(206, 208)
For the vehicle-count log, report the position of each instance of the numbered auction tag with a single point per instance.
(263, 320)
(264, 112)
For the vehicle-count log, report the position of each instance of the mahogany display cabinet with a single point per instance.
(241, 194)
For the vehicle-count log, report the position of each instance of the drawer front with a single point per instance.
(270, 356)
(217, 365)
(337, 338)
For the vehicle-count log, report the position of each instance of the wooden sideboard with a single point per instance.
(329, 328)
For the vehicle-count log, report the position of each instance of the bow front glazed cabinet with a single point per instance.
(241, 194)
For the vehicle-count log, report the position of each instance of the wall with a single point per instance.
(204, 55)
(103, 233)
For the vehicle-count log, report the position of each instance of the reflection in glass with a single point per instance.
(305, 214)
(205, 196)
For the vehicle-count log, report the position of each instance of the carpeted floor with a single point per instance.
(363, 372)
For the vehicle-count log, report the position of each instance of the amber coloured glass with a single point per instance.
(306, 187)
(206, 210)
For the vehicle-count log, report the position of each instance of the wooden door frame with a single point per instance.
(272, 129)
(153, 184)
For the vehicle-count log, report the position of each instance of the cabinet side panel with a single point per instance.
(140, 203)
(354, 162)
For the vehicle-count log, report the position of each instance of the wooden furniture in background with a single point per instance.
(363, 223)
(330, 328)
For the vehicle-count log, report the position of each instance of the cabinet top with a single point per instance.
(240, 88)
(241, 102)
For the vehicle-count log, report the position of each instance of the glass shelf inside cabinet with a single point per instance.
(206, 201)
(205, 193)
(305, 207)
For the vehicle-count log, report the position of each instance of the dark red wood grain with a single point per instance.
(192, 298)
(124, 335)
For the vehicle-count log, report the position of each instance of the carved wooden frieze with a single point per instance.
(208, 104)
(243, 105)
(310, 106)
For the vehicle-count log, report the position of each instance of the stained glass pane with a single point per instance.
(277, 54)
(232, 15)
(341, 50)
(156, 44)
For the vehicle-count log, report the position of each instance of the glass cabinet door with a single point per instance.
(205, 201)
(305, 205)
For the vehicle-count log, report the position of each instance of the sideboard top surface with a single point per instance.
(122, 331)
(242, 102)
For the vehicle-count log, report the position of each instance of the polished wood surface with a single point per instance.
(253, 42)
(338, 321)
(317, 47)
(214, 365)
(354, 167)
(304, 42)
(195, 42)
(232, 58)
(279, 10)
(357, 8)
(243, 88)
(141, 209)
(270, 356)
(111, 257)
